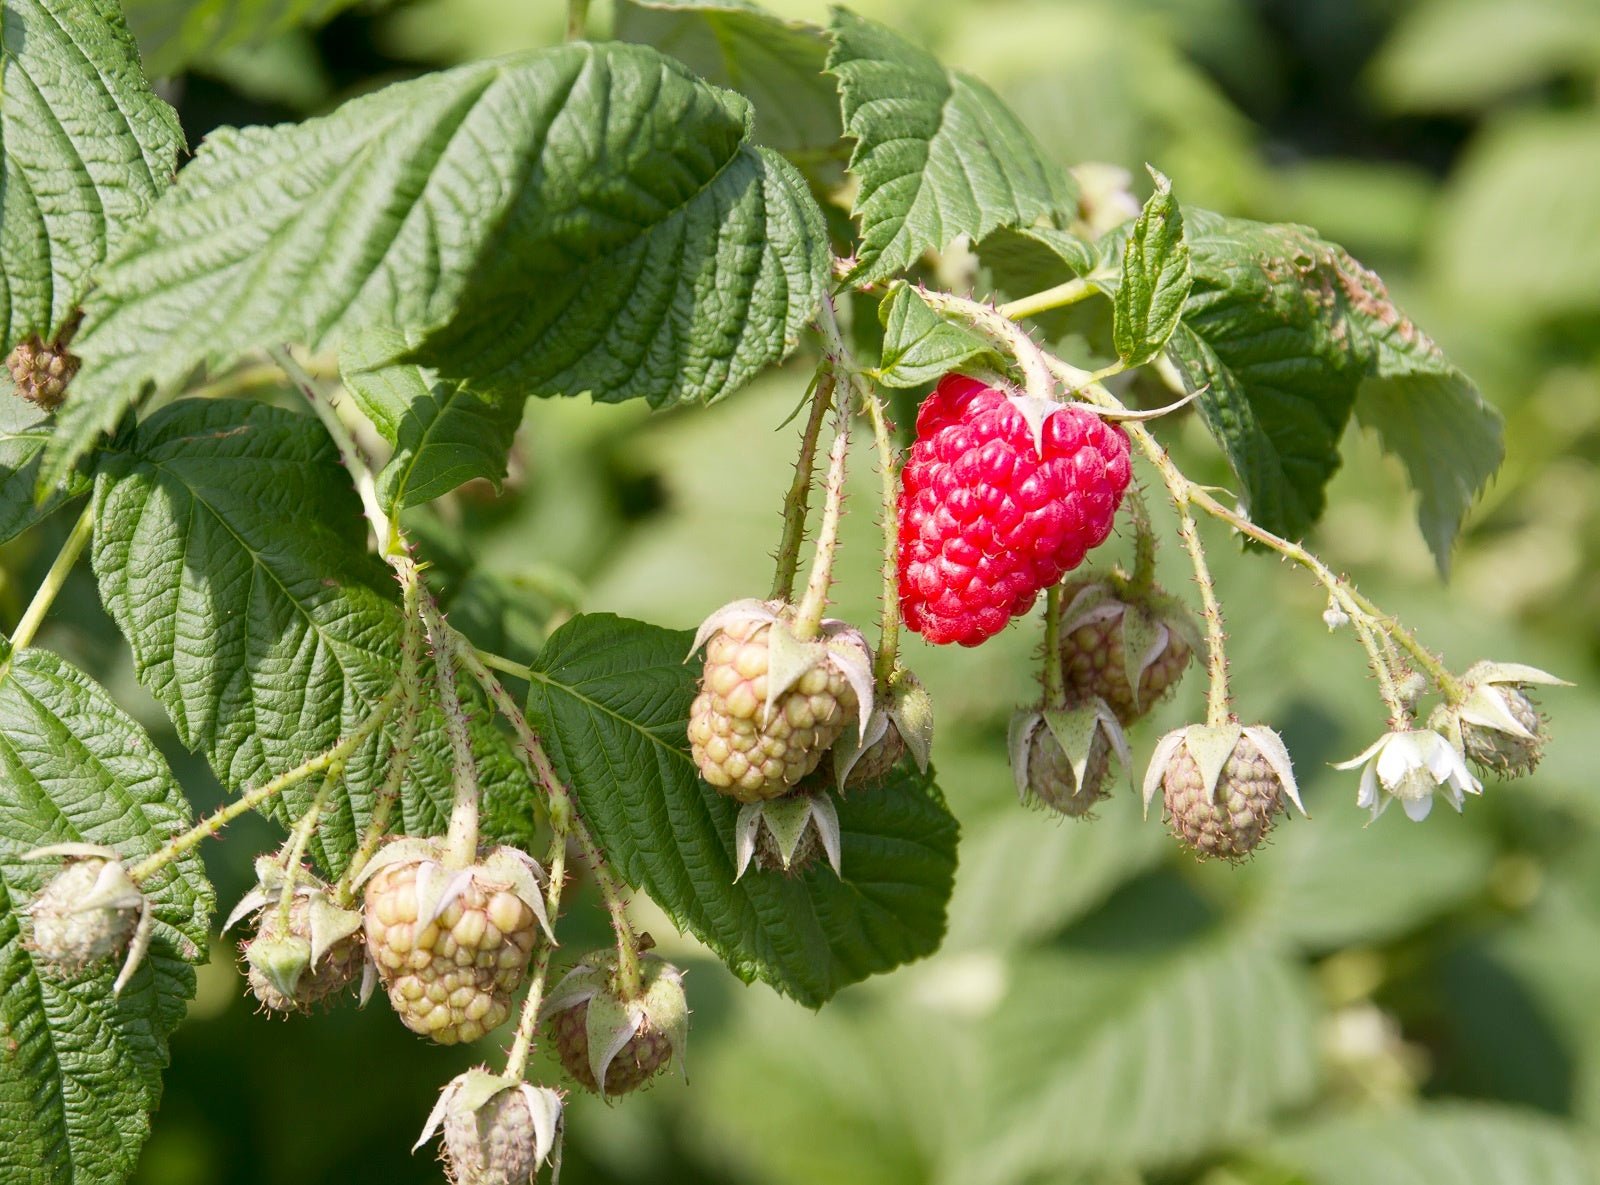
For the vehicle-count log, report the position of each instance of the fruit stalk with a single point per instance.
(1059, 297)
(808, 617)
(462, 837)
(299, 839)
(215, 822)
(528, 1021)
(798, 500)
(50, 587)
(1054, 693)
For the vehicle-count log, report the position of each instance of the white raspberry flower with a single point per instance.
(1412, 765)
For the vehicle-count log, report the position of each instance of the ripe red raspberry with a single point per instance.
(985, 520)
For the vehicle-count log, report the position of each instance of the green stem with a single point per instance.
(798, 500)
(577, 19)
(808, 617)
(506, 666)
(889, 620)
(1144, 541)
(461, 845)
(45, 595)
(1055, 695)
(249, 801)
(300, 839)
(1058, 297)
(1035, 362)
(528, 1022)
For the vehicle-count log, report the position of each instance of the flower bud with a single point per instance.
(89, 911)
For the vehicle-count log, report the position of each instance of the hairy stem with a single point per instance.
(889, 474)
(214, 823)
(384, 531)
(1058, 297)
(300, 839)
(506, 666)
(1055, 695)
(461, 844)
(1035, 362)
(577, 19)
(528, 1021)
(808, 617)
(50, 587)
(798, 500)
(410, 697)
(1144, 540)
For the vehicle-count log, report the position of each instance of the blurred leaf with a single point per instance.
(611, 699)
(23, 435)
(173, 34)
(919, 345)
(1026, 875)
(1334, 881)
(1155, 279)
(1518, 232)
(1117, 1060)
(85, 148)
(937, 153)
(1459, 1143)
(1032, 258)
(628, 242)
(777, 64)
(81, 1069)
(1449, 55)
(444, 434)
(231, 552)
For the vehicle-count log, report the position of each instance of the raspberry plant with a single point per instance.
(599, 218)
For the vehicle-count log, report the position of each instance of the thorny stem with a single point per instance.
(461, 846)
(564, 817)
(299, 839)
(389, 542)
(1035, 362)
(249, 801)
(45, 595)
(808, 617)
(528, 1022)
(889, 619)
(1058, 297)
(1054, 692)
(400, 754)
(798, 499)
(1144, 540)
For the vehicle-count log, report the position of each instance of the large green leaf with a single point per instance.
(231, 551)
(1155, 1060)
(80, 1070)
(611, 699)
(23, 435)
(622, 238)
(444, 433)
(175, 33)
(776, 64)
(1459, 1143)
(85, 148)
(919, 345)
(1155, 278)
(937, 153)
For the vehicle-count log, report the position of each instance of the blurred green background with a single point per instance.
(1358, 1005)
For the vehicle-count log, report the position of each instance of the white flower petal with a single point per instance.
(1417, 809)
(1365, 754)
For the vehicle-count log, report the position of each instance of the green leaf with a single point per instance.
(1156, 1060)
(23, 435)
(176, 33)
(80, 1070)
(777, 64)
(1462, 1143)
(611, 699)
(623, 239)
(444, 434)
(1431, 416)
(1032, 258)
(918, 344)
(937, 153)
(85, 148)
(1155, 278)
(231, 552)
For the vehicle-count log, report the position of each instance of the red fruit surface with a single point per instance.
(985, 521)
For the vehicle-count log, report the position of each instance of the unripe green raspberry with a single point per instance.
(1125, 647)
(611, 1045)
(1497, 724)
(1222, 786)
(788, 834)
(452, 945)
(88, 912)
(1503, 752)
(771, 705)
(1061, 757)
(287, 973)
(497, 1131)
(1052, 781)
